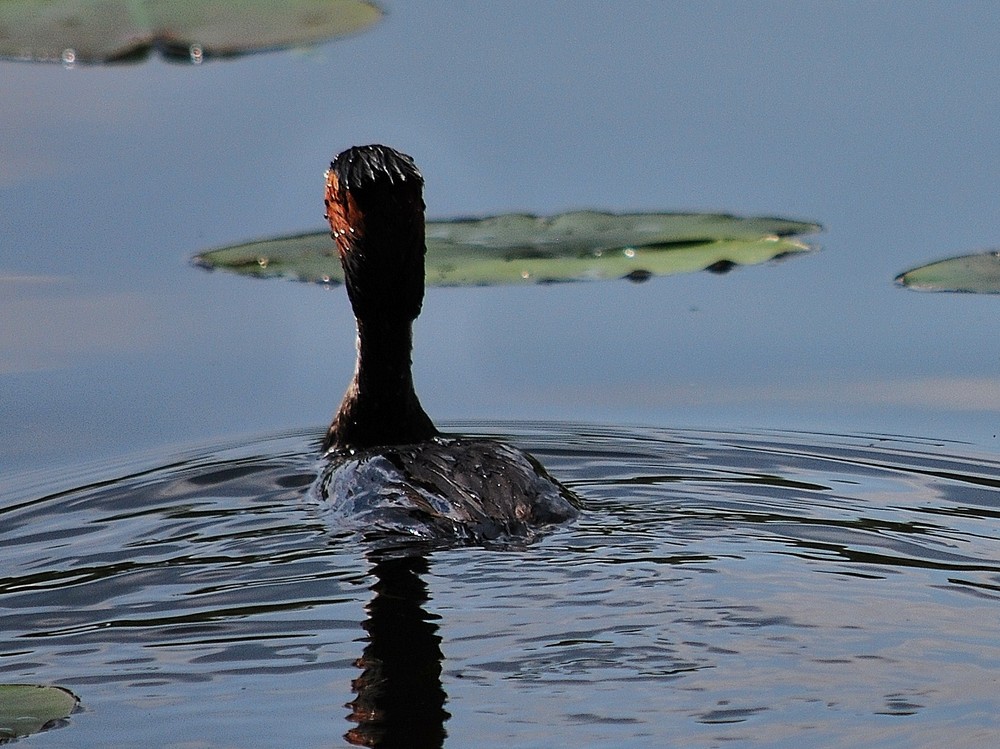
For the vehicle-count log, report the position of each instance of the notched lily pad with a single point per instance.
(106, 31)
(29, 708)
(521, 248)
(976, 274)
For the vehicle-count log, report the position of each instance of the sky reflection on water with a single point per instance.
(870, 119)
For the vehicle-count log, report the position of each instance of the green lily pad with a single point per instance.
(976, 274)
(521, 248)
(30, 708)
(102, 31)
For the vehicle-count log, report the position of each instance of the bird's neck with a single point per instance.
(380, 406)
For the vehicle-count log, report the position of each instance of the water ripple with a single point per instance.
(718, 587)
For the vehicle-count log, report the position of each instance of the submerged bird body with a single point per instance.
(390, 470)
(448, 488)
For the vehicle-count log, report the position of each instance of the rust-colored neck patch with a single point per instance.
(347, 223)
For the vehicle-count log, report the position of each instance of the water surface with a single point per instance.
(773, 582)
(112, 178)
(767, 588)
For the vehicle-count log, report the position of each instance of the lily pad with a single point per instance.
(104, 31)
(522, 249)
(976, 274)
(30, 708)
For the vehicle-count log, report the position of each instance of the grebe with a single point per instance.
(390, 470)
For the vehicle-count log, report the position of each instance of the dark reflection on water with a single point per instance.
(400, 701)
(764, 588)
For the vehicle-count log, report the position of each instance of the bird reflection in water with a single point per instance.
(400, 699)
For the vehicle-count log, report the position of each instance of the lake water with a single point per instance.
(767, 589)
(789, 473)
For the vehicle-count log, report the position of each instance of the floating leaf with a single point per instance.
(29, 708)
(100, 31)
(520, 248)
(977, 274)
